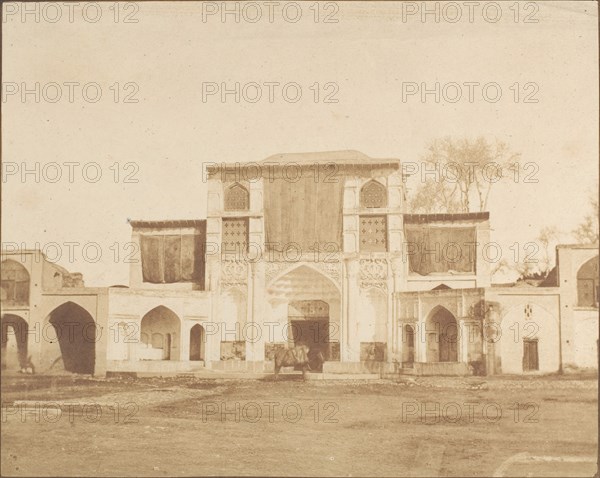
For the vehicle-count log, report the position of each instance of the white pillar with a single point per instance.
(257, 331)
(463, 341)
(184, 343)
(350, 336)
(397, 332)
(421, 336)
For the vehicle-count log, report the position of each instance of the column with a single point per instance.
(350, 337)
(420, 336)
(483, 265)
(257, 330)
(213, 326)
(463, 341)
(184, 342)
(396, 337)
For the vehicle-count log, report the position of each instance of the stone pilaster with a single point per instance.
(256, 332)
(420, 336)
(396, 335)
(350, 336)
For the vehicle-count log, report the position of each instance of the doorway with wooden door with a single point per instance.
(530, 355)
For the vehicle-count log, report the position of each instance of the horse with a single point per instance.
(292, 357)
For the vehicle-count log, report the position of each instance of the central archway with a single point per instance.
(442, 336)
(305, 305)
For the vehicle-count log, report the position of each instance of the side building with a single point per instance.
(50, 321)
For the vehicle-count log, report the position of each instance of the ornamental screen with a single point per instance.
(373, 233)
(237, 198)
(235, 235)
(373, 194)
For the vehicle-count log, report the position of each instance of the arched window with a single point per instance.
(237, 198)
(15, 284)
(373, 194)
(587, 284)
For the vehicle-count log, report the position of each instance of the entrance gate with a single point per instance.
(309, 322)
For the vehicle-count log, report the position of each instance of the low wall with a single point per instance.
(153, 366)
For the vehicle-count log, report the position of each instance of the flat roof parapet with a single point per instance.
(464, 216)
(578, 246)
(341, 158)
(168, 223)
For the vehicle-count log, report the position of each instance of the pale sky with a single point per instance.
(170, 52)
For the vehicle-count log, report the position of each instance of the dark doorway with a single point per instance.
(309, 320)
(197, 343)
(167, 348)
(75, 331)
(442, 337)
(315, 334)
(530, 355)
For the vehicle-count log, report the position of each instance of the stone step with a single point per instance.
(343, 376)
(407, 371)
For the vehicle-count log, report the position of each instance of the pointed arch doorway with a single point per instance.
(442, 336)
(197, 340)
(305, 305)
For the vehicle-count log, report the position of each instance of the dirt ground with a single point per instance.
(434, 426)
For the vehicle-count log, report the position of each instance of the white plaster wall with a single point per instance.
(128, 307)
(372, 319)
(543, 325)
(122, 333)
(428, 283)
(577, 340)
(585, 337)
(138, 302)
(232, 315)
(276, 329)
(11, 357)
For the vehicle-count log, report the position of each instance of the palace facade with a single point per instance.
(318, 249)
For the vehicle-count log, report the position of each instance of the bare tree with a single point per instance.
(435, 197)
(463, 171)
(548, 235)
(587, 231)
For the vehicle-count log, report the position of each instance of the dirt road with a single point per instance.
(182, 427)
